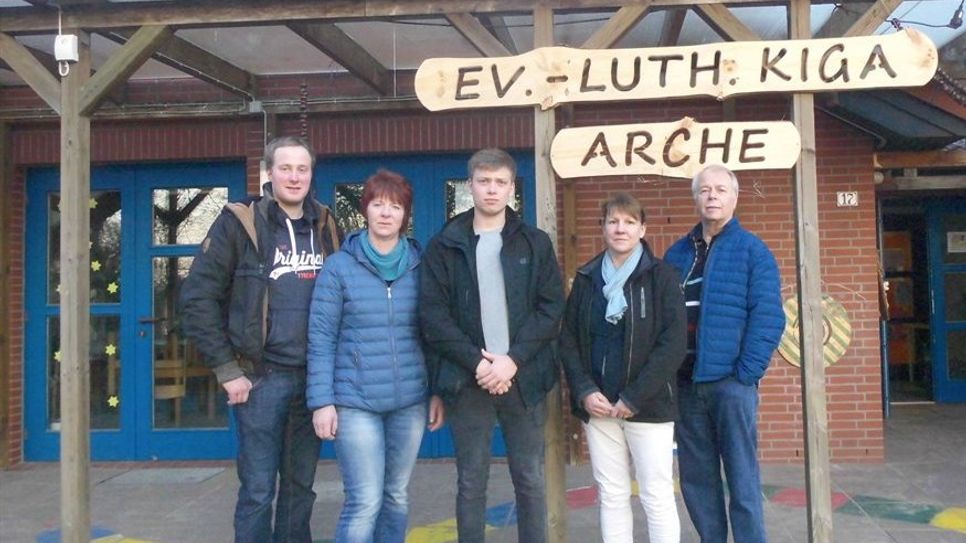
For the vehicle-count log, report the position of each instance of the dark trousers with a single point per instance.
(472, 417)
(719, 426)
(276, 441)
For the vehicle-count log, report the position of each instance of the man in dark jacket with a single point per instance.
(491, 301)
(245, 305)
(732, 291)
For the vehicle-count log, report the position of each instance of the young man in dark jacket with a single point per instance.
(245, 305)
(732, 290)
(490, 304)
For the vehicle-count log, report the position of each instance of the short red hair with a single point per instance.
(392, 187)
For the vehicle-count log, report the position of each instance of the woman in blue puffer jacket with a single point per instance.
(367, 378)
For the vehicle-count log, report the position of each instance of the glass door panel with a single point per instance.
(948, 286)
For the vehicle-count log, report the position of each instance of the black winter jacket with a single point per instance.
(224, 298)
(450, 306)
(655, 339)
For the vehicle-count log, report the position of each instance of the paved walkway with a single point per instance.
(917, 496)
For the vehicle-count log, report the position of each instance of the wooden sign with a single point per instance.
(675, 149)
(553, 75)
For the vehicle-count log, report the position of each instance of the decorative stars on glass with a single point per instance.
(95, 265)
(92, 203)
(57, 356)
(112, 287)
(110, 349)
(113, 401)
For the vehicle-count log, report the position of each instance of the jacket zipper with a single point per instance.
(630, 344)
(392, 343)
(707, 258)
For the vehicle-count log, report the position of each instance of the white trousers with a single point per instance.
(652, 447)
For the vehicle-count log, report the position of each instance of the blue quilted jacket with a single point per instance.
(364, 344)
(741, 319)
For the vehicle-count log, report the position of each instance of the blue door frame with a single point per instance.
(428, 175)
(134, 438)
(945, 216)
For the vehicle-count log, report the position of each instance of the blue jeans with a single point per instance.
(719, 426)
(275, 440)
(472, 417)
(376, 453)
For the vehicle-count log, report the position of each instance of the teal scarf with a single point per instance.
(614, 279)
(389, 266)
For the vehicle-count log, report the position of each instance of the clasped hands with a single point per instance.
(495, 372)
(597, 405)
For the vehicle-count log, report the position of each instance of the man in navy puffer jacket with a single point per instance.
(732, 292)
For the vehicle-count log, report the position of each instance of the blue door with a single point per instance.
(150, 396)
(947, 285)
(440, 191)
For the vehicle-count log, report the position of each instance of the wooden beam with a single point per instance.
(30, 70)
(546, 188)
(331, 40)
(6, 182)
(920, 159)
(818, 485)
(720, 18)
(122, 64)
(617, 26)
(187, 57)
(872, 18)
(671, 29)
(209, 13)
(477, 34)
(930, 182)
(45, 58)
(498, 27)
(75, 409)
(841, 19)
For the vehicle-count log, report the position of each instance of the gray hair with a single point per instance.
(714, 168)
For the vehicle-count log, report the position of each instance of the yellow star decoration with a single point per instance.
(110, 350)
(93, 203)
(112, 287)
(58, 289)
(96, 265)
(57, 356)
(113, 401)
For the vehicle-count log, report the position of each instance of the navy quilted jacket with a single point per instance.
(364, 344)
(741, 319)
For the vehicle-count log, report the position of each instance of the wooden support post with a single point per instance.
(75, 194)
(544, 130)
(808, 266)
(6, 178)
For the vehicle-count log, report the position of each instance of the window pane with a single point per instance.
(182, 216)
(186, 392)
(105, 247)
(955, 296)
(956, 354)
(347, 202)
(459, 198)
(105, 367)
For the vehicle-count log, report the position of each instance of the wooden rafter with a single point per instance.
(31, 70)
(498, 27)
(872, 18)
(122, 64)
(207, 13)
(841, 19)
(920, 159)
(617, 26)
(725, 23)
(671, 29)
(331, 40)
(952, 57)
(477, 34)
(187, 57)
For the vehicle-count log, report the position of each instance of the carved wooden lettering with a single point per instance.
(553, 75)
(675, 149)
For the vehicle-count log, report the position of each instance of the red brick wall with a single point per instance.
(765, 207)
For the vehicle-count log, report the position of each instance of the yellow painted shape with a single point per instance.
(953, 518)
(440, 532)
